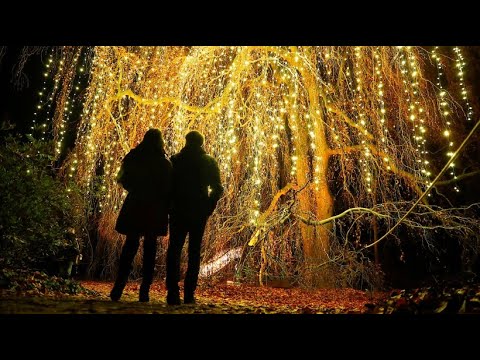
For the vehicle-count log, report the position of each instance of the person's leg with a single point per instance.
(178, 232)
(194, 246)
(149, 253)
(126, 258)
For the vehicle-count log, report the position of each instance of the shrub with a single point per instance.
(36, 283)
(40, 215)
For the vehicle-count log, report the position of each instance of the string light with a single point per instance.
(362, 119)
(270, 115)
(445, 111)
(43, 107)
(411, 75)
(460, 68)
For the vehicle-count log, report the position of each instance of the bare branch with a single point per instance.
(273, 204)
(447, 165)
(3, 51)
(338, 216)
(458, 178)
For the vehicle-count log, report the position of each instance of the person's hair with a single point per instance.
(153, 139)
(194, 138)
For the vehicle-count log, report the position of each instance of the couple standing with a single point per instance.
(187, 188)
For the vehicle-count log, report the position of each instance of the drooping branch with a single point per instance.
(447, 165)
(20, 79)
(411, 179)
(3, 51)
(271, 116)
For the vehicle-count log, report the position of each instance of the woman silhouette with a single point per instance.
(146, 175)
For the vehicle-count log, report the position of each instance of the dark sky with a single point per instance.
(18, 105)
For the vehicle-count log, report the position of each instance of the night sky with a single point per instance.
(18, 105)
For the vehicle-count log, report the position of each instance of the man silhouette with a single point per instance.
(146, 175)
(196, 189)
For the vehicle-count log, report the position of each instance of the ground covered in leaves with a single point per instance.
(222, 298)
(37, 293)
(30, 295)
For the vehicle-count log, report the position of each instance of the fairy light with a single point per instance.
(44, 101)
(362, 119)
(294, 129)
(76, 71)
(445, 111)
(257, 114)
(257, 181)
(382, 109)
(411, 74)
(460, 69)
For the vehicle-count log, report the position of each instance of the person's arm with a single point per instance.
(123, 176)
(215, 184)
(169, 184)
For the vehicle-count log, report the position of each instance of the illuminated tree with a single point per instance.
(315, 144)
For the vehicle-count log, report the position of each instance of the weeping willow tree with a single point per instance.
(315, 144)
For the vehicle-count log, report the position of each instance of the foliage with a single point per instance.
(446, 298)
(39, 283)
(40, 216)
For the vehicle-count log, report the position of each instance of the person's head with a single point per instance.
(153, 139)
(194, 138)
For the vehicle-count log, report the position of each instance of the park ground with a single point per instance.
(36, 293)
(221, 298)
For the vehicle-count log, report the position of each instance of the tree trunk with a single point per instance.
(315, 199)
(315, 239)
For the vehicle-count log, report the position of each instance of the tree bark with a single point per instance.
(316, 198)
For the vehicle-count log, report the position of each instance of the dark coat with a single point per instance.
(194, 171)
(146, 175)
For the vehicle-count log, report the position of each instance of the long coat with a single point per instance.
(146, 175)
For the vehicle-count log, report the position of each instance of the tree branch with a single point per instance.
(332, 218)
(374, 150)
(351, 123)
(458, 178)
(447, 165)
(273, 204)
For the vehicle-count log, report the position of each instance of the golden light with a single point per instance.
(285, 123)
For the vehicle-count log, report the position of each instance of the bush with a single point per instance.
(445, 298)
(38, 283)
(40, 216)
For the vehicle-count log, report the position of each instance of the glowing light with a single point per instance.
(270, 115)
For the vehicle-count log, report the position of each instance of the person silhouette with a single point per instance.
(196, 189)
(146, 174)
